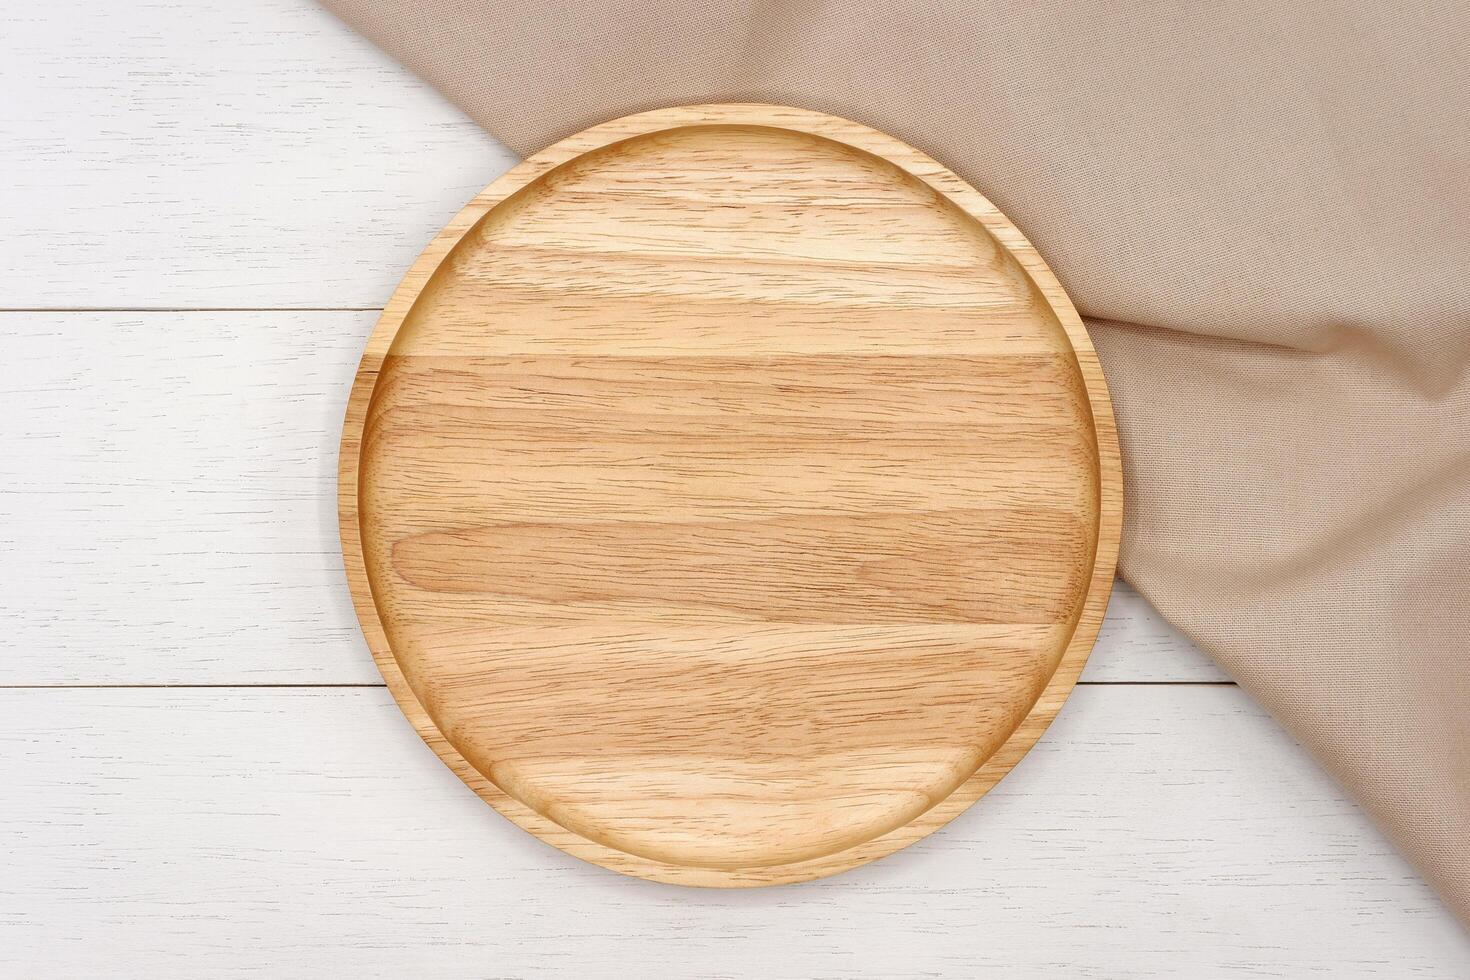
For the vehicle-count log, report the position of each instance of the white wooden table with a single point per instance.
(200, 772)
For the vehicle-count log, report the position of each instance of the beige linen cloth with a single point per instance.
(1262, 208)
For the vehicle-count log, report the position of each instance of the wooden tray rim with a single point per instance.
(947, 184)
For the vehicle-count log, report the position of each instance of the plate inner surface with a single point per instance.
(727, 497)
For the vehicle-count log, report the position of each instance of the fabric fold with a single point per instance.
(1263, 210)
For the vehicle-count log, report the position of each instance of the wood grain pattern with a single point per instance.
(730, 495)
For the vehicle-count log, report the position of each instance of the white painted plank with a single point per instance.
(1137, 644)
(168, 506)
(1155, 832)
(168, 498)
(212, 153)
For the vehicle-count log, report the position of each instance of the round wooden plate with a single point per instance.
(730, 495)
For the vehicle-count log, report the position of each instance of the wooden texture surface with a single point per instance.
(1163, 826)
(730, 495)
(147, 543)
(1156, 832)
